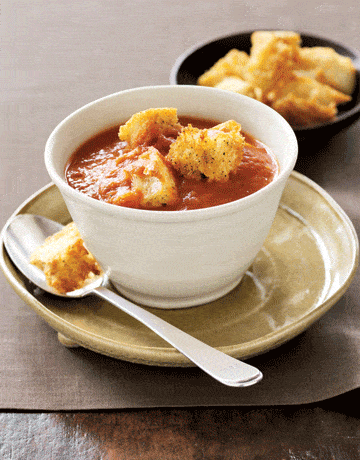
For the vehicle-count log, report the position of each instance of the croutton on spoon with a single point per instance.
(26, 232)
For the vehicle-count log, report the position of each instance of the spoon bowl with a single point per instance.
(25, 232)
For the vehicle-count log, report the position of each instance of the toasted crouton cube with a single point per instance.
(232, 64)
(310, 89)
(238, 85)
(65, 261)
(305, 101)
(143, 127)
(316, 73)
(336, 70)
(261, 38)
(141, 178)
(213, 153)
(282, 74)
(272, 58)
(299, 111)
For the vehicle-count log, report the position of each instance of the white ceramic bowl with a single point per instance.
(174, 259)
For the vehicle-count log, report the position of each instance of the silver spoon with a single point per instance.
(26, 232)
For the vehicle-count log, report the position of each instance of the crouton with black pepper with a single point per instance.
(212, 153)
(144, 128)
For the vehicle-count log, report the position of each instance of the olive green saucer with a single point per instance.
(305, 266)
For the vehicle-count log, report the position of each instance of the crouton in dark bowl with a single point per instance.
(201, 57)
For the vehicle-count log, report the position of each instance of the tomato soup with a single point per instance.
(88, 165)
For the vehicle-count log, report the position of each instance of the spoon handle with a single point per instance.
(217, 364)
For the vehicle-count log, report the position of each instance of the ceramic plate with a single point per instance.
(305, 266)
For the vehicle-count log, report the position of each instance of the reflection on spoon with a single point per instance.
(26, 232)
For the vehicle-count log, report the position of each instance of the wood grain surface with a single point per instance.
(325, 431)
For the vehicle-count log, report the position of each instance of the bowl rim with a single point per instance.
(169, 216)
(300, 129)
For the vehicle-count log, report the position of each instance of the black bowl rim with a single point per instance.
(352, 52)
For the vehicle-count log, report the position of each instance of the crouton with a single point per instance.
(140, 178)
(212, 153)
(299, 111)
(238, 85)
(65, 261)
(232, 64)
(145, 127)
(336, 70)
(272, 58)
(311, 89)
(286, 76)
(304, 95)
(261, 38)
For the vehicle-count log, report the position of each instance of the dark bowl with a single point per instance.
(196, 60)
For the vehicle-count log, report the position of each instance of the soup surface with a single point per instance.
(91, 171)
